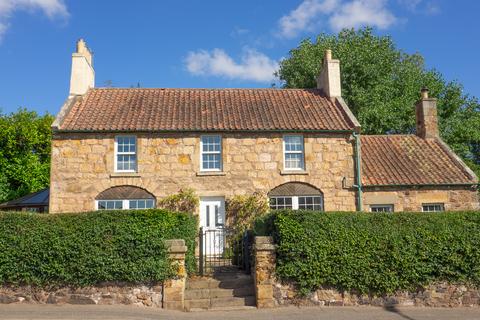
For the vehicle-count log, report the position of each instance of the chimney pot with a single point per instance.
(328, 54)
(424, 93)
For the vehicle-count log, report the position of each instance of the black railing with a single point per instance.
(222, 249)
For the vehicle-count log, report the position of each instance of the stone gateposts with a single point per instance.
(174, 289)
(264, 251)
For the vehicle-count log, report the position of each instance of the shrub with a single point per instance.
(88, 248)
(184, 201)
(242, 210)
(377, 253)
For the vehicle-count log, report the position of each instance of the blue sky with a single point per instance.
(210, 43)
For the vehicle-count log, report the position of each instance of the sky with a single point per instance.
(210, 43)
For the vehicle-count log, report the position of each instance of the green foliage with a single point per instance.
(242, 210)
(377, 253)
(24, 153)
(381, 84)
(184, 201)
(88, 248)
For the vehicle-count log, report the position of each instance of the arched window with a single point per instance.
(123, 198)
(296, 196)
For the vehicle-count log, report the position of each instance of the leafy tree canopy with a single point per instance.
(381, 84)
(25, 139)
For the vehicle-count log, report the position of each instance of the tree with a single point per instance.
(25, 144)
(381, 83)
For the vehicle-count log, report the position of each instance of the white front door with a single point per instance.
(212, 220)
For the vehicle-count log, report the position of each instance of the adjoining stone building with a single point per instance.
(119, 148)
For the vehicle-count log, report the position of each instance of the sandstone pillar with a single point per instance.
(264, 270)
(174, 289)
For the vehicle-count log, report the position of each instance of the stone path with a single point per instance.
(76, 312)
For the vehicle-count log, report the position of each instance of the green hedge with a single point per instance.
(87, 248)
(375, 253)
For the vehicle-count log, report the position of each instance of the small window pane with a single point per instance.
(433, 207)
(381, 208)
(310, 203)
(293, 160)
(149, 204)
(293, 143)
(279, 203)
(133, 204)
(110, 204)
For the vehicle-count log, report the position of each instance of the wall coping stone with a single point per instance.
(211, 173)
(294, 172)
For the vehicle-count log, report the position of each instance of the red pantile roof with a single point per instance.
(113, 109)
(409, 160)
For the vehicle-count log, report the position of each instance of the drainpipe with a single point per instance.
(358, 167)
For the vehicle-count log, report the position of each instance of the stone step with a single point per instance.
(232, 302)
(228, 282)
(197, 304)
(193, 294)
(219, 303)
(223, 309)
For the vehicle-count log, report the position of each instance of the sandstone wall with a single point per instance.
(83, 166)
(436, 295)
(150, 296)
(454, 198)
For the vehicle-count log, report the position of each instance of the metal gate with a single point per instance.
(222, 249)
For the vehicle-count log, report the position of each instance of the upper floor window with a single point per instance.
(433, 207)
(211, 153)
(125, 154)
(293, 153)
(381, 208)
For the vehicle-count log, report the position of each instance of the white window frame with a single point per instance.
(295, 202)
(433, 204)
(202, 169)
(302, 152)
(116, 153)
(386, 205)
(125, 204)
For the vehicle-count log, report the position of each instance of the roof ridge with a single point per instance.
(390, 135)
(206, 89)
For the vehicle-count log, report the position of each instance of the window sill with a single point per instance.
(125, 175)
(210, 173)
(293, 172)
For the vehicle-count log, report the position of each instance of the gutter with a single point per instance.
(424, 185)
(358, 167)
(119, 131)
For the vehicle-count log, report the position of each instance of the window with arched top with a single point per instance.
(296, 196)
(124, 198)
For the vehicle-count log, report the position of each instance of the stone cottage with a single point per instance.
(126, 148)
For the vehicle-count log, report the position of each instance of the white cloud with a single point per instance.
(421, 6)
(362, 12)
(338, 14)
(302, 17)
(254, 65)
(51, 8)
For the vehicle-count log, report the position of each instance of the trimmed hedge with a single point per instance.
(375, 253)
(88, 248)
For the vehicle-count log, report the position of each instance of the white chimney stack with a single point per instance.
(329, 79)
(83, 75)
